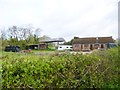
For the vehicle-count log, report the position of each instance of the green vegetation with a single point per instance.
(21, 36)
(96, 70)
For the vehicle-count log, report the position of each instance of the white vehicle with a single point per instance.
(65, 47)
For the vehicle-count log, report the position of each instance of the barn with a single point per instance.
(43, 44)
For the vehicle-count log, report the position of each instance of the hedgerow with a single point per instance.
(96, 70)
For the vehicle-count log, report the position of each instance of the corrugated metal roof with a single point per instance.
(53, 40)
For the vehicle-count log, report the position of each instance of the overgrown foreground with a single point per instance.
(97, 70)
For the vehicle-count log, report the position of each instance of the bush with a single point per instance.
(97, 70)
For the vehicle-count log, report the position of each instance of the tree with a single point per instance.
(69, 42)
(44, 37)
(38, 32)
(30, 39)
(3, 39)
(20, 35)
(37, 35)
(13, 32)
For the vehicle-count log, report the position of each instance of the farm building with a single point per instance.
(43, 44)
(37, 46)
(91, 43)
(65, 47)
(55, 41)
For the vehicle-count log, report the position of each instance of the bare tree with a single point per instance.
(38, 32)
(21, 35)
(13, 32)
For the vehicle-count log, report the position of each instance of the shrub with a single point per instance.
(97, 70)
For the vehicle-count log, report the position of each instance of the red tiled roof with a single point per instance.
(84, 40)
(93, 40)
(105, 40)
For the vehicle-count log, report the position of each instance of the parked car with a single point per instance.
(65, 47)
(12, 48)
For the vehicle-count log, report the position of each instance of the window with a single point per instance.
(60, 47)
(71, 47)
(66, 47)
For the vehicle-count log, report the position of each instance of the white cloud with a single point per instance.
(63, 18)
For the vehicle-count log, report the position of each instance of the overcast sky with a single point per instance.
(63, 18)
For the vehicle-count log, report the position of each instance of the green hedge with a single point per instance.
(97, 70)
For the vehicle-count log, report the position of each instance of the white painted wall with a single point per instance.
(65, 47)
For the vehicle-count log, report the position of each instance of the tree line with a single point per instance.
(20, 35)
(25, 35)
